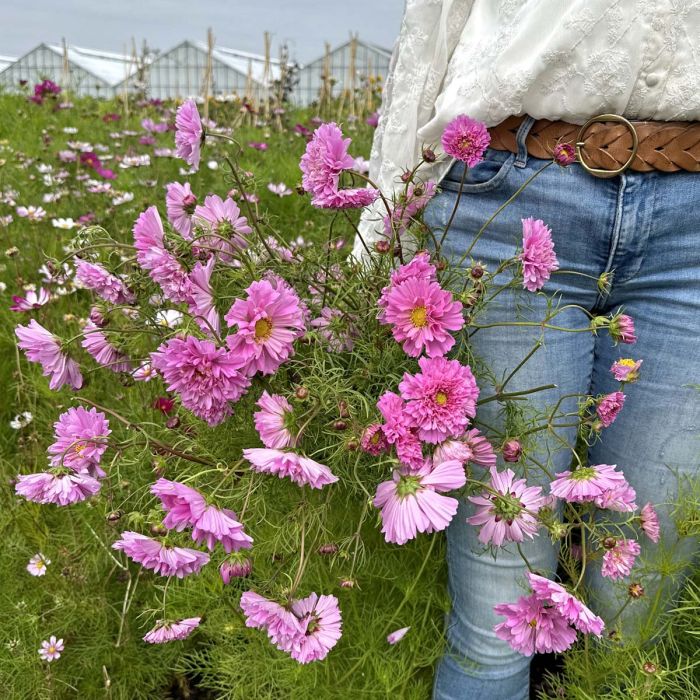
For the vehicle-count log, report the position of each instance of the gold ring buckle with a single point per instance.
(599, 172)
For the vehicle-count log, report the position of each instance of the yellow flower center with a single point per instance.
(627, 362)
(441, 398)
(419, 317)
(79, 449)
(263, 329)
(375, 438)
(52, 649)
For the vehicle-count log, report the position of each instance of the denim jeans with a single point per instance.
(645, 228)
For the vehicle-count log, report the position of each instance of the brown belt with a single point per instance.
(610, 144)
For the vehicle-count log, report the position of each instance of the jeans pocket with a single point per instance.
(485, 176)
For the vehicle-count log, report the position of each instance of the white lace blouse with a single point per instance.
(554, 59)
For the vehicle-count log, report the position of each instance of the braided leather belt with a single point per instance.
(609, 144)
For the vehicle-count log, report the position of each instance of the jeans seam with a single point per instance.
(615, 239)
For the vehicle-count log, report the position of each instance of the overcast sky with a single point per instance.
(110, 24)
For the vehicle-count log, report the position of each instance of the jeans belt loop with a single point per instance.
(520, 138)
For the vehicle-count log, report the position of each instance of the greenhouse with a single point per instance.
(182, 72)
(345, 68)
(87, 72)
(6, 61)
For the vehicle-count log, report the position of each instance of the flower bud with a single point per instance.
(429, 155)
(329, 548)
(340, 425)
(301, 393)
(236, 566)
(406, 176)
(189, 202)
(609, 542)
(649, 667)
(172, 423)
(636, 590)
(347, 583)
(352, 445)
(114, 516)
(157, 529)
(511, 450)
(477, 271)
(382, 247)
(343, 409)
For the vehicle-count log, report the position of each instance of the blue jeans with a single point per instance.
(645, 228)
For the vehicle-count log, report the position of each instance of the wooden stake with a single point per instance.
(206, 87)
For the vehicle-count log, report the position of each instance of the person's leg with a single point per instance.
(477, 664)
(655, 438)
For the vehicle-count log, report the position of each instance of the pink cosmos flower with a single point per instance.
(201, 301)
(81, 440)
(411, 503)
(538, 257)
(325, 158)
(301, 470)
(103, 352)
(650, 522)
(51, 649)
(32, 301)
(408, 207)
(170, 631)
(268, 321)
(56, 486)
(440, 399)
(509, 514)
(151, 255)
(373, 440)
(144, 373)
(626, 370)
(482, 451)
(419, 267)
(280, 189)
(206, 378)
(45, 348)
(235, 567)
(618, 561)
(570, 607)
(532, 626)
(621, 499)
(222, 218)
(183, 504)
(422, 314)
(103, 283)
(399, 430)
(397, 635)
(609, 406)
(272, 421)
(564, 154)
(180, 203)
(587, 483)
(320, 620)
(622, 329)
(189, 134)
(466, 139)
(163, 559)
(37, 565)
(220, 525)
(282, 626)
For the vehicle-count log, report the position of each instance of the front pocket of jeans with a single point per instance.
(485, 176)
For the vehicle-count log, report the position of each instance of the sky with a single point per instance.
(110, 24)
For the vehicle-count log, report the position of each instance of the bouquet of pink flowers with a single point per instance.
(355, 375)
